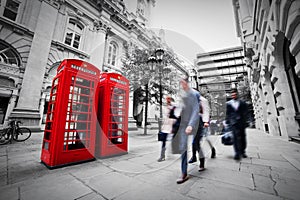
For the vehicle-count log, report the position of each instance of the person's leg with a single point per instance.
(213, 150)
(195, 147)
(206, 134)
(196, 143)
(236, 143)
(243, 143)
(183, 149)
(184, 167)
(184, 162)
(163, 148)
(201, 157)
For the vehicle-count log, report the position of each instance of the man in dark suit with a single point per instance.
(237, 120)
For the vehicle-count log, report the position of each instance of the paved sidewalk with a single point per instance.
(272, 171)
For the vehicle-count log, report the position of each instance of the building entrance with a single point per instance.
(3, 107)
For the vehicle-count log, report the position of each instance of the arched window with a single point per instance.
(74, 33)
(112, 53)
(8, 54)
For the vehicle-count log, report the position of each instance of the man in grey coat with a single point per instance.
(188, 125)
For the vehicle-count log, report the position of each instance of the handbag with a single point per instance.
(161, 136)
(176, 125)
(227, 138)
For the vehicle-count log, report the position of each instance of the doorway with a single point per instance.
(3, 107)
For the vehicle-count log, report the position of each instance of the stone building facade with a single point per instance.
(36, 35)
(270, 33)
(217, 73)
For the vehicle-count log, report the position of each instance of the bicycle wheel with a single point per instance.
(22, 134)
(5, 136)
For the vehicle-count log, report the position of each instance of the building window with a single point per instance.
(9, 8)
(8, 54)
(112, 53)
(74, 33)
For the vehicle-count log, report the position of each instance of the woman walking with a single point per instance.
(167, 125)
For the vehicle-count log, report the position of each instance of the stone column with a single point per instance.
(270, 105)
(263, 116)
(285, 106)
(11, 105)
(27, 109)
(99, 38)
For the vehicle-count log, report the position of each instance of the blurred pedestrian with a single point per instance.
(188, 125)
(166, 129)
(138, 106)
(237, 121)
(201, 133)
(204, 113)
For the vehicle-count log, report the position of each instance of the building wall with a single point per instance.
(218, 72)
(274, 39)
(41, 34)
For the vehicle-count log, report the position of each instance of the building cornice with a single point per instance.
(222, 51)
(19, 29)
(64, 47)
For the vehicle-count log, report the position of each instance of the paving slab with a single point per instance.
(264, 184)
(226, 176)
(288, 188)
(207, 189)
(112, 185)
(10, 193)
(269, 172)
(255, 169)
(273, 163)
(281, 173)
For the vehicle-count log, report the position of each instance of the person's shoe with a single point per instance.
(236, 157)
(201, 169)
(213, 152)
(202, 163)
(193, 159)
(161, 159)
(245, 156)
(184, 178)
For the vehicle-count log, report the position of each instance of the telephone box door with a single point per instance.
(113, 115)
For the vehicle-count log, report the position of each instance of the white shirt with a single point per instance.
(167, 122)
(205, 109)
(235, 103)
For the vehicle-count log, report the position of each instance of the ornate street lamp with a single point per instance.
(151, 63)
(159, 53)
(150, 68)
(155, 64)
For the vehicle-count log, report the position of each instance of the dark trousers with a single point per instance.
(164, 139)
(197, 138)
(239, 142)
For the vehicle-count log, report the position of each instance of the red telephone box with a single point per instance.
(112, 115)
(70, 131)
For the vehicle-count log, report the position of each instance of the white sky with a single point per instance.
(196, 26)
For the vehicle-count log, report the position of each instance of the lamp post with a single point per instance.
(155, 64)
(150, 68)
(159, 53)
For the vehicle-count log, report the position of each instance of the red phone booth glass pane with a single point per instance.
(70, 130)
(113, 115)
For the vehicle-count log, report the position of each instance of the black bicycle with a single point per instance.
(14, 132)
